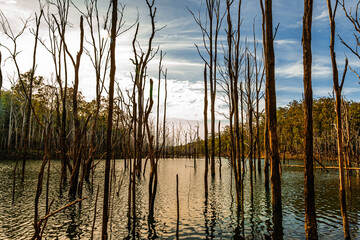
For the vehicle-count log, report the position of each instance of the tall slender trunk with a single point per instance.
(266, 150)
(104, 234)
(242, 127)
(338, 89)
(309, 189)
(271, 117)
(233, 99)
(10, 122)
(250, 122)
(29, 97)
(211, 77)
(158, 108)
(219, 143)
(77, 138)
(164, 121)
(206, 133)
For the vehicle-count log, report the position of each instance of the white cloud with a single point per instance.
(295, 70)
(8, 1)
(282, 42)
(322, 16)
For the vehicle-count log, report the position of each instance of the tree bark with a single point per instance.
(77, 138)
(271, 117)
(206, 133)
(338, 89)
(104, 234)
(309, 189)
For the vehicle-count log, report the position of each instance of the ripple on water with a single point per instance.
(218, 218)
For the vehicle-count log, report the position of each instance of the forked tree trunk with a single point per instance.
(338, 89)
(29, 97)
(104, 234)
(77, 138)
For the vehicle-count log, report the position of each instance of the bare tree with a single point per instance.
(259, 78)
(100, 61)
(338, 88)
(114, 17)
(58, 53)
(7, 29)
(309, 190)
(206, 133)
(158, 104)
(164, 120)
(354, 20)
(210, 30)
(153, 163)
(77, 132)
(140, 61)
(268, 38)
(249, 102)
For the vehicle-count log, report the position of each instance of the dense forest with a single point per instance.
(290, 128)
(49, 118)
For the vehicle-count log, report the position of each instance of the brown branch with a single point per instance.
(344, 73)
(60, 209)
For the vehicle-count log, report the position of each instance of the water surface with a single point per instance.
(216, 218)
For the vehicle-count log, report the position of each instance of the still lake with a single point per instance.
(218, 219)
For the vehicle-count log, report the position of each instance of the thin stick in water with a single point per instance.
(177, 206)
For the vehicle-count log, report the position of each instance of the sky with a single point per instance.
(183, 64)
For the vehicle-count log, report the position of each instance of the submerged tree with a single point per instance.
(114, 16)
(210, 29)
(309, 191)
(271, 120)
(77, 131)
(337, 89)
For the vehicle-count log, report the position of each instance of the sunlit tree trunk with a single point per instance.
(338, 89)
(232, 69)
(271, 116)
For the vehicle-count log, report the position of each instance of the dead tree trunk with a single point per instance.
(158, 108)
(104, 234)
(259, 78)
(338, 88)
(309, 189)
(206, 133)
(77, 138)
(219, 143)
(29, 102)
(250, 123)
(153, 159)
(271, 115)
(164, 121)
(100, 60)
(210, 32)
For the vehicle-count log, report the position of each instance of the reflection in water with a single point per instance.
(214, 217)
(277, 220)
